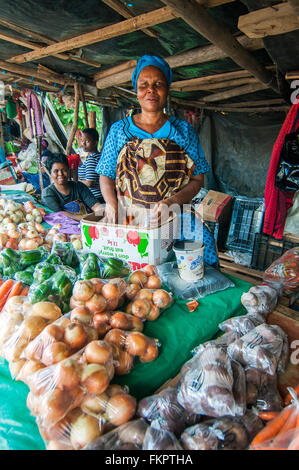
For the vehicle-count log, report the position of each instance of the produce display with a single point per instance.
(160, 439)
(261, 299)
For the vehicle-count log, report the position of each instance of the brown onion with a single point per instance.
(52, 333)
(94, 404)
(121, 320)
(151, 353)
(120, 409)
(124, 362)
(55, 406)
(150, 270)
(154, 313)
(81, 315)
(66, 375)
(136, 343)
(75, 336)
(96, 304)
(116, 337)
(98, 285)
(98, 352)
(55, 352)
(76, 303)
(95, 378)
(161, 298)
(137, 324)
(144, 294)
(84, 430)
(154, 282)
(47, 310)
(141, 308)
(83, 290)
(110, 291)
(138, 277)
(29, 368)
(132, 290)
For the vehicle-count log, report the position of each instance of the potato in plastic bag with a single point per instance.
(261, 348)
(242, 324)
(164, 409)
(260, 299)
(160, 439)
(129, 436)
(262, 390)
(207, 387)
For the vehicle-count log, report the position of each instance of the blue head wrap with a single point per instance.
(147, 60)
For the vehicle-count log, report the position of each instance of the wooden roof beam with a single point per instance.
(124, 27)
(200, 20)
(278, 19)
(198, 55)
(120, 8)
(230, 108)
(295, 6)
(242, 90)
(214, 86)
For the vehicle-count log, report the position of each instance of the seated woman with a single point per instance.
(86, 171)
(71, 198)
(151, 158)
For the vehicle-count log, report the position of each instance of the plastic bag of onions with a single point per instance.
(35, 319)
(129, 344)
(60, 388)
(96, 415)
(147, 304)
(105, 321)
(97, 295)
(59, 340)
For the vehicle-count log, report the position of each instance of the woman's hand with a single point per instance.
(111, 215)
(160, 212)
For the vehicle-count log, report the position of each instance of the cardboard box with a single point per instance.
(216, 209)
(137, 246)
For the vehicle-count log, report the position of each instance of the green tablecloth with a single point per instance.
(178, 331)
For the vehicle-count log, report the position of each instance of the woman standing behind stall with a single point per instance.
(86, 171)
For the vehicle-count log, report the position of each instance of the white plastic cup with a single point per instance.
(189, 256)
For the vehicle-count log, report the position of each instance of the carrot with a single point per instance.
(4, 291)
(286, 433)
(272, 428)
(289, 397)
(15, 290)
(294, 445)
(1, 282)
(268, 415)
(25, 291)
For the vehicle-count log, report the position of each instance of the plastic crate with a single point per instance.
(246, 222)
(267, 249)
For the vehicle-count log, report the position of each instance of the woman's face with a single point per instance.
(88, 144)
(152, 89)
(60, 173)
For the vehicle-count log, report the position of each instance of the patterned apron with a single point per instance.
(150, 170)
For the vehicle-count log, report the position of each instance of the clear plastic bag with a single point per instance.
(164, 409)
(35, 319)
(160, 439)
(129, 436)
(130, 344)
(284, 272)
(66, 252)
(208, 386)
(78, 381)
(59, 340)
(103, 322)
(281, 433)
(11, 317)
(93, 417)
(213, 281)
(243, 324)
(260, 299)
(97, 295)
(262, 391)
(261, 348)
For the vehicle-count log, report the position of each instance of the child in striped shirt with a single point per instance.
(86, 171)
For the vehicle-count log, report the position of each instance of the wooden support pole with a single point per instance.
(82, 97)
(202, 22)
(198, 55)
(75, 122)
(124, 27)
(92, 115)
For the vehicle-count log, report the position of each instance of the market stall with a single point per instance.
(118, 334)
